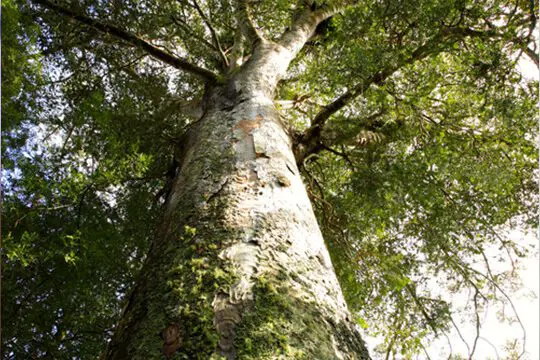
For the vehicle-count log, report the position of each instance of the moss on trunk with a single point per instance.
(238, 268)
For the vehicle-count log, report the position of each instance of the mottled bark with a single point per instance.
(239, 268)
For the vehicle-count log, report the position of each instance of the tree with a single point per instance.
(157, 151)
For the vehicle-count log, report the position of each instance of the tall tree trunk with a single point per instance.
(239, 268)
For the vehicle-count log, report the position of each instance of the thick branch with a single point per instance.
(304, 27)
(134, 40)
(236, 51)
(245, 21)
(432, 46)
(312, 137)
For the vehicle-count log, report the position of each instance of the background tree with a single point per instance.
(410, 124)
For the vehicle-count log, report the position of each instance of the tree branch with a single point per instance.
(134, 40)
(376, 79)
(304, 26)
(215, 38)
(460, 334)
(245, 22)
(188, 31)
(533, 55)
(435, 45)
(236, 53)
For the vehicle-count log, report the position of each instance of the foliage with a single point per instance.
(433, 153)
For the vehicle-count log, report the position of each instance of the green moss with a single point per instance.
(192, 285)
(281, 326)
(191, 274)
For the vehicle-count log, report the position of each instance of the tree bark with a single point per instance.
(238, 267)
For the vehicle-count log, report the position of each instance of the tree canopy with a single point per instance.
(413, 127)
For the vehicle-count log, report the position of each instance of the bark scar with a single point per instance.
(259, 155)
(243, 131)
(282, 180)
(248, 125)
(171, 340)
(290, 168)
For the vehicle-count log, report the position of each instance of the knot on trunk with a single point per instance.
(171, 340)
